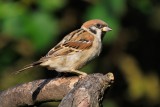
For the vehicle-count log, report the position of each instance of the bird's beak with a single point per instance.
(105, 29)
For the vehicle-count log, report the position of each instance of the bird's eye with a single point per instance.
(98, 25)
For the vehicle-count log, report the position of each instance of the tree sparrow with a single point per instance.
(75, 49)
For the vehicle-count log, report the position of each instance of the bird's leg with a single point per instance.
(79, 72)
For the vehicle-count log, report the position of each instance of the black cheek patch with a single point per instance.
(93, 31)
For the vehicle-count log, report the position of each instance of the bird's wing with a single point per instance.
(76, 41)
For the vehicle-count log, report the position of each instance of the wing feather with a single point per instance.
(74, 42)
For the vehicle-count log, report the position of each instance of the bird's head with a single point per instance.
(96, 27)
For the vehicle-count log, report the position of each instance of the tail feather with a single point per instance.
(28, 67)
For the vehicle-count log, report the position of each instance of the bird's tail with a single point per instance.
(27, 67)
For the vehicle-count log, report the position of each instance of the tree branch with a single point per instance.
(89, 90)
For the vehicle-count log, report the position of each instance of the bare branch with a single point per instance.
(37, 92)
(87, 91)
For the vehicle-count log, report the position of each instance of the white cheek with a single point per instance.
(93, 28)
(99, 32)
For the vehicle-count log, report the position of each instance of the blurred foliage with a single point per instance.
(29, 28)
(18, 20)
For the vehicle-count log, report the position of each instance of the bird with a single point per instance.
(75, 49)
